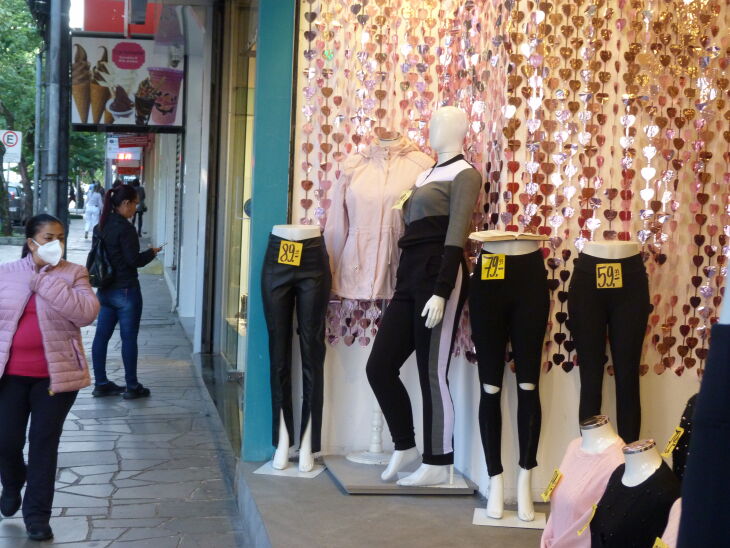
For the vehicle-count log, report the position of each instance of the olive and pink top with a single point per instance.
(585, 476)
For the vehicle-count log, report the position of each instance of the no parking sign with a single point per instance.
(13, 140)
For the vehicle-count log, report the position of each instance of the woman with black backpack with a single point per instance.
(119, 292)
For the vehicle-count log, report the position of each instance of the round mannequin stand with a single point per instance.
(280, 460)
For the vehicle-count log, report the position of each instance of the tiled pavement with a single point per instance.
(141, 473)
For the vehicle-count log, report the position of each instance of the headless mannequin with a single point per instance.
(447, 130)
(611, 249)
(597, 435)
(642, 460)
(495, 502)
(280, 460)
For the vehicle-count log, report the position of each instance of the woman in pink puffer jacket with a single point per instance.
(44, 301)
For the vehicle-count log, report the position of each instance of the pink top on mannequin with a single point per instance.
(584, 480)
(363, 229)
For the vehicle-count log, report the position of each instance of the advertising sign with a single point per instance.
(13, 141)
(130, 85)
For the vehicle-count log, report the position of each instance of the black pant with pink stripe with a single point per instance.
(403, 330)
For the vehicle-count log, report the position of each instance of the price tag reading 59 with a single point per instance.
(492, 267)
(609, 276)
(290, 253)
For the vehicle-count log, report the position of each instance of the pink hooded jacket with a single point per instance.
(65, 303)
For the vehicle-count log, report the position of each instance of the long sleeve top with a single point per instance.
(363, 229)
(440, 209)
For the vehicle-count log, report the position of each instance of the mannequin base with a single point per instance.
(289, 472)
(368, 457)
(363, 479)
(508, 519)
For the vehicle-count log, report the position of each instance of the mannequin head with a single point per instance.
(447, 130)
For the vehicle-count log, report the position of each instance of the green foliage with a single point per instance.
(86, 155)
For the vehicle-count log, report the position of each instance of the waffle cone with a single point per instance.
(82, 98)
(108, 117)
(99, 96)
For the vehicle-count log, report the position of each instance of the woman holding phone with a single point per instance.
(121, 299)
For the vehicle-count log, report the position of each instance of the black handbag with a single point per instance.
(101, 272)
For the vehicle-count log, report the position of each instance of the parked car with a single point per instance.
(16, 203)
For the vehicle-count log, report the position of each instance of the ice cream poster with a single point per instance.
(126, 82)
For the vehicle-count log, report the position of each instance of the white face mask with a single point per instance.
(52, 252)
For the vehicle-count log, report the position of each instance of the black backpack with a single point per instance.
(101, 272)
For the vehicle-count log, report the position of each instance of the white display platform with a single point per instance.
(364, 479)
(291, 471)
(509, 519)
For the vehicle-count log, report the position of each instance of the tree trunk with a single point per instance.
(27, 189)
(7, 225)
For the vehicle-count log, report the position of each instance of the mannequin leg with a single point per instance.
(306, 457)
(398, 461)
(281, 455)
(588, 320)
(525, 507)
(627, 329)
(429, 474)
(495, 502)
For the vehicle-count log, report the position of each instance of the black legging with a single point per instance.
(307, 286)
(23, 398)
(622, 313)
(403, 330)
(513, 309)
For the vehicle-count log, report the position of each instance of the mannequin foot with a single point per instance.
(306, 461)
(281, 455)
(495, 502)
(427, 474)
(525, 506)
(398, 461)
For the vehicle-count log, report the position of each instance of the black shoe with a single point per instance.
(138, 391)
(10, 502)
(108, 389)
(39, 531)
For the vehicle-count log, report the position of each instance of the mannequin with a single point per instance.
(597, 434)
(424, 312)
(514, 307)
(586, 467)
(635, 507)
(609, 296)
(306, 286)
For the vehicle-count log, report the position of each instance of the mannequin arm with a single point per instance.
(434, 311)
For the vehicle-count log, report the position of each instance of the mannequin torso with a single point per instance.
(642, 460)
(296, 233)
(611, 249)
(597, 435)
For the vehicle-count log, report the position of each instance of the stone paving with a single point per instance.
(142, 473)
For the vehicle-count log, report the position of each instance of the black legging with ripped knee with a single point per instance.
(513, 309)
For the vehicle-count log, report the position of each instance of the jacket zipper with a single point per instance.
(43, 340)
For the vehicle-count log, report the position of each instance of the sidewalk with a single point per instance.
(142, 473)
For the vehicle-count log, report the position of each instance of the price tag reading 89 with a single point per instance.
(492, 267)
(609, 276)
(290, 253)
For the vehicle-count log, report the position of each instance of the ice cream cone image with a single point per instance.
(81, 83)
(108, 117)
(144, 101)
(100, 93)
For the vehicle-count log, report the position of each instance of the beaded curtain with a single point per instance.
(588, 120)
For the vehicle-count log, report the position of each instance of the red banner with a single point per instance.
(108, 16)
(129, 141)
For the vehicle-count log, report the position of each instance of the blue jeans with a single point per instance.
(125, 307)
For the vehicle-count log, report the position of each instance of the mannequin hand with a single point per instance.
(434, 311)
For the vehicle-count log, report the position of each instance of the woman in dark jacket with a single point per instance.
(121, 299)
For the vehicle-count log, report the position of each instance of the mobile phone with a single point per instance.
(163, 245)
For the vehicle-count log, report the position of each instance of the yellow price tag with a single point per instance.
(557, 476)
(403, 199)
(492, 267)
(290, 253)
(659, 543)
(609, 276)
(590, 519)
(673, 441)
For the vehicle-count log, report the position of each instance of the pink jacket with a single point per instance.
(363, 229)
(65, 303)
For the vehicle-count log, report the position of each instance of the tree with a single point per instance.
(19, 45)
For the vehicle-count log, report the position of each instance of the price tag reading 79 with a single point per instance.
(609, 276)
(492, 267)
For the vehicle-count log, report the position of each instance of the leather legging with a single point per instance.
(305, 288)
